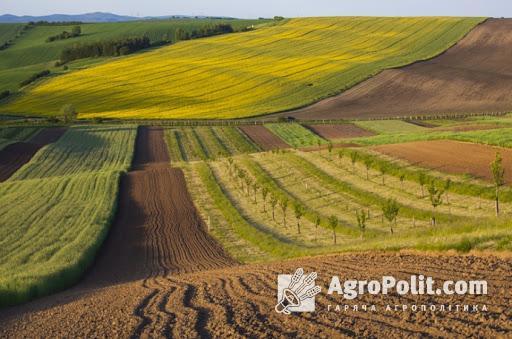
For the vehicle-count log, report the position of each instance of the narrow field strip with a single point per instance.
(296, 135)
(206, 142)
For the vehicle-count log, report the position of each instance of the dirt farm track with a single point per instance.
(161, 274)
(474, 76)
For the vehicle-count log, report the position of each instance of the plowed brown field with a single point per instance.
(451, 157)
(239, 302)
(333, 132)
(18, 154)
(474, 76)
(263, 137)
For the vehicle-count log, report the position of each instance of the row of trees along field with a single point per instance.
(75, 32)
(133, 44)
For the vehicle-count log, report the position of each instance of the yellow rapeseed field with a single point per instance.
(270, 69)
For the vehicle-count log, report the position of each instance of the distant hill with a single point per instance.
(88, 17)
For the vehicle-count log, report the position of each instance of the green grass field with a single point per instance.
(31, 53)
(271, 69)
(390, 126)
(296, 135)
(56, 210)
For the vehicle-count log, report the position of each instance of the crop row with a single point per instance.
(202, 143)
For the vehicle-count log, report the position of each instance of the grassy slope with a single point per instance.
(267, 70)
(56, 210)
(31, 53)
(8, 32)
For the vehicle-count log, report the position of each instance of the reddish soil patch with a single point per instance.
(150, 147)
(263, 137)
(474, 76)
(240, 301)
(451, 157)
(13, 156)
(333, 132)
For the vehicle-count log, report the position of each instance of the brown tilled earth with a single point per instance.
(263, 137)
(160, 274)
(18, 154)
(239, 302)
(451, 157)
(474, 76)
(339, 131)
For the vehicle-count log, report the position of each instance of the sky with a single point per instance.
(262, 8)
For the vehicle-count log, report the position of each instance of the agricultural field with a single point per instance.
(283, 66)
(201, 143)
(265, 139)
(56, 210)
(202, 210)
(296, 135)
(390, 126)
(339, 131)
(30, 53)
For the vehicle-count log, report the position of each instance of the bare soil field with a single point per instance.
(474, 76)
(333, 132)
(18, 154)
(451, 157)
(263, 137)
(239, 302)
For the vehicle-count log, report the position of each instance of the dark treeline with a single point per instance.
(34, 77)
(54, 23)
(4, 94)
(75, 31)
(130, 45)
(104, 48)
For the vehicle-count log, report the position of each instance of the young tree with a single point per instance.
(333, 223)
(368, 163)
(361, 221)
(447, 185)
(353, 159)
(264, 193)
(436, 199)
(284, 206)
(76, 31)
(340, 155)
(422, 179)
(383, 169)
(329, 148)
(390, 211)
(299, 212)
(255, 188)
(273, 203)
(241, 177)
(498, 174)
(317, 221)
(68, 113)
(402, 178)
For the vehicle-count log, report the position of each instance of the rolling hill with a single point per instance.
(271, 69)
(30, 53)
